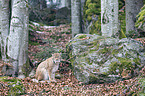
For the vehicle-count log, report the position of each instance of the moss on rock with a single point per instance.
(15, 86)
(104, 57)
(82, 36)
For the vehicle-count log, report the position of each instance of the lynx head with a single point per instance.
(56, 57)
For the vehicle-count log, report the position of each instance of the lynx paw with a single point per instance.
(53, 81)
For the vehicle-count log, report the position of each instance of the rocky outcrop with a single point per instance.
(97, 59)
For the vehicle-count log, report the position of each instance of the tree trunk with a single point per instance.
(63, 3)
(132, 9)
(18, 37)
(5, 15)
(109, 17)
(68, 4)
(76, 17)
(14, 43)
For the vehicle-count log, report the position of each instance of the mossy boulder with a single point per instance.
(98, 59)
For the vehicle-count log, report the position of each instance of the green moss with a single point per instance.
(97, 46)
(89, 12)
(113, 67)
(92, 51)
(116, 51)
(15, 86)
(142, 82)
(88, 61)
(95, 42)
(104, 73)
(4, 78)
(26, 68)
(137, 61)
(122, 19)
(92, 5)
(83, 54)
(7, 79)
(124, 63)
(92, 9)
(93, 78)
(17, 90)
(101, 38)
(89, 18)
(81, 36)
(88, 2)
(105, 50)
(122, 35)
(69, 43)
(141, 18)
(72, 59)
(96, 27)
(127, 54)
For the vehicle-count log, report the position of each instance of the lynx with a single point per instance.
(47, 68)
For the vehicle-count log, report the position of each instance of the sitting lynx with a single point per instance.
(47, 68)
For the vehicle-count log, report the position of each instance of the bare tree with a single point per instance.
(132, 9)
(5, 15)
(76, 17)
(14, 43)
(109, 17)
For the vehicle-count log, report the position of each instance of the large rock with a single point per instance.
(97, 59)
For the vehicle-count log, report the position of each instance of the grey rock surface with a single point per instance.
(98, 59)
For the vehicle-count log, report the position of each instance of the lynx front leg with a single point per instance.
(54, 69)
(53, 77)
(49, 74)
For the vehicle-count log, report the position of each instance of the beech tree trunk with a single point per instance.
(14, 35)
(132, 9)
(76, 17)
(68, 4)
(5, 15)
(109, 17)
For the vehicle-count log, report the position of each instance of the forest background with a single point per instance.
(50, 28)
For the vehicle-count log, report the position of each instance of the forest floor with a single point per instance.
(44, 41)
